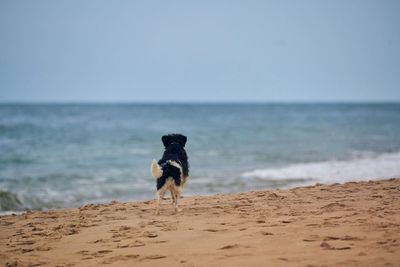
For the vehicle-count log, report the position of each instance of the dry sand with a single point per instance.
(354, 224)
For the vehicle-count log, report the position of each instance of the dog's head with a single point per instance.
(174, 139)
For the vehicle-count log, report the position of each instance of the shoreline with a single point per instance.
(355, 223)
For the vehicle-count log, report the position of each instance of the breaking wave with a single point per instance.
(10, 201)
(377, 167)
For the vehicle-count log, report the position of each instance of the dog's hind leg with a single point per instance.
(177, 194)
(177, 209)
(173, 196)
(159, 196)
(158, 201)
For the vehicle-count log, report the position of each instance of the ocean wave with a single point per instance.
(16, 159)
(55, 194)
(9, 201)
(368, 168)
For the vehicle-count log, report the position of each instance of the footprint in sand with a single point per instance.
(104, 251)
(83, 252)
(150, 234)
(333, 207)
(214, 230)
(344, 238)
(125, 228)
(160, 241)
(120, 258)
(43, 248)
(26, 250)
(7, 223)
(266, 233)
(98, 241)
(153, 257)
(137, 243)
(230, 246)
(40, 234)
(115, 218)
(169, 228)
(27, 242)
(101, 253)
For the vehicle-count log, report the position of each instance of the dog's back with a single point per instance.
(174, 151)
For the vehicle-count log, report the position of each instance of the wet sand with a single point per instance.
(352, 224)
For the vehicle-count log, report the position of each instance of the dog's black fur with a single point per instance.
(174, 151)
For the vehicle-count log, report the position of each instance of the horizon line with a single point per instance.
(95, 102)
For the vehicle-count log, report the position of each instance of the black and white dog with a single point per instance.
(172, 170)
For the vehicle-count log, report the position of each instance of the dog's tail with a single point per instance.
(155, 169)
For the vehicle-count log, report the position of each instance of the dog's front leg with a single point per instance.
(158, 200)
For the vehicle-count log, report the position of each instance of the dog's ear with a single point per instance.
(166, 139)
(182, 139)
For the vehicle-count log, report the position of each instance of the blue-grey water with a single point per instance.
(65, 155)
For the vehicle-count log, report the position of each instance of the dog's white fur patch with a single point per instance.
(155, 169)
(176, 164)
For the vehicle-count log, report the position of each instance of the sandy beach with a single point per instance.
(351, 224)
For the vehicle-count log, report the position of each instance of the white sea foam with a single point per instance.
(369, 168)
(11, 212)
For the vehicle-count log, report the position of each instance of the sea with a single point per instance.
(55, 156)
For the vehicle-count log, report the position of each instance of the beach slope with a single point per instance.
(323, 225)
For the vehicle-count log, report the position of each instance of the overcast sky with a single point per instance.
(199, 51)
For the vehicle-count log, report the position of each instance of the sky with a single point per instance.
(199, 51)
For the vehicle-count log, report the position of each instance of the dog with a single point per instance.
(172, 170)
